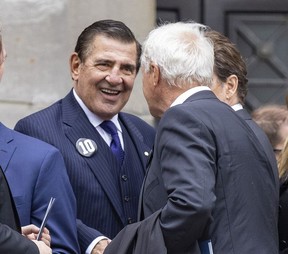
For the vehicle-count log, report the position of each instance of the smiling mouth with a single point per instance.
(110, 92)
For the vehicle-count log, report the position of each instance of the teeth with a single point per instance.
(110, 91)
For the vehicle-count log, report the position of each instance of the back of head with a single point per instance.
(112, 29)
(228, 61)
(182, 52)
(270, 118)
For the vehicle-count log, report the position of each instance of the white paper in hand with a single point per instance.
(45, 218)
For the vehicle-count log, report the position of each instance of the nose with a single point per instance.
(114, 77)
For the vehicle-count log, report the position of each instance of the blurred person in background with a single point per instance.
(273, 119)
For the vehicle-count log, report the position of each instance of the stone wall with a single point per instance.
(39, 36)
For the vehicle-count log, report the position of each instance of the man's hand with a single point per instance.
(31, 232)
(42, 247)
(100, 246)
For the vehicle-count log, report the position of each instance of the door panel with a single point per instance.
(259, 28)
(262, 39)
(175, 10)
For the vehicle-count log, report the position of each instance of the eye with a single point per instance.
(128, 69)
(103, 66)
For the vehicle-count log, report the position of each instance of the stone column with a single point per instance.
(39, 36)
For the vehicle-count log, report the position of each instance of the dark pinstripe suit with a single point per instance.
(102, 202)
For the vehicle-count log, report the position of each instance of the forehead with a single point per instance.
(107, 47)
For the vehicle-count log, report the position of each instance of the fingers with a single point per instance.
(31, 232)
(46, 238)
(30, 229)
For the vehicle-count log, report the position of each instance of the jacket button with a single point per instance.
(126, 198)
(130, 220)
(124, 178)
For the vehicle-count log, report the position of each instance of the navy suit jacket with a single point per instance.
(99, 201)
(210, 178)
(36, 172)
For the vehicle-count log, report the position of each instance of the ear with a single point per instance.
(232, 85)
(155, 73)
(74, 66)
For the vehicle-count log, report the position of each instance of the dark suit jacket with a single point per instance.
(94, 179)
(218, 181)
(11, 240)
(264, 141)
(144, 237)
(36, 172)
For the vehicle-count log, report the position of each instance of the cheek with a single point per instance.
(1, 71)
(145, 85)
(284, 132)
(130, 79)
(219, 92)
(145, 90)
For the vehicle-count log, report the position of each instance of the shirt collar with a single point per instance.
(184, 96)
(94, 119)
(237, 107)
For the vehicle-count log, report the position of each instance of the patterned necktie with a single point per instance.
(115, 145)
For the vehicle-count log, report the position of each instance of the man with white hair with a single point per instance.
(207, 177)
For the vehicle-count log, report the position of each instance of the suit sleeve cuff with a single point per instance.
(94, 242)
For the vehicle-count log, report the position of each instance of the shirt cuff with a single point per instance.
(94, 242)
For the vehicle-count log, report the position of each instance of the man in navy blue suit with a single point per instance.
(36, 172)
(103, 68)
(12, 238)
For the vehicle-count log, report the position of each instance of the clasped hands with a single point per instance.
(31, 232)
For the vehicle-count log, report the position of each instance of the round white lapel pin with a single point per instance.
(86, 147)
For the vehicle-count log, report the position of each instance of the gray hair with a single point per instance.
(182, 52)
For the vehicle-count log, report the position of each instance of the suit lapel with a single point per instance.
(6, 146)
(78, 126)
(136, 137)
